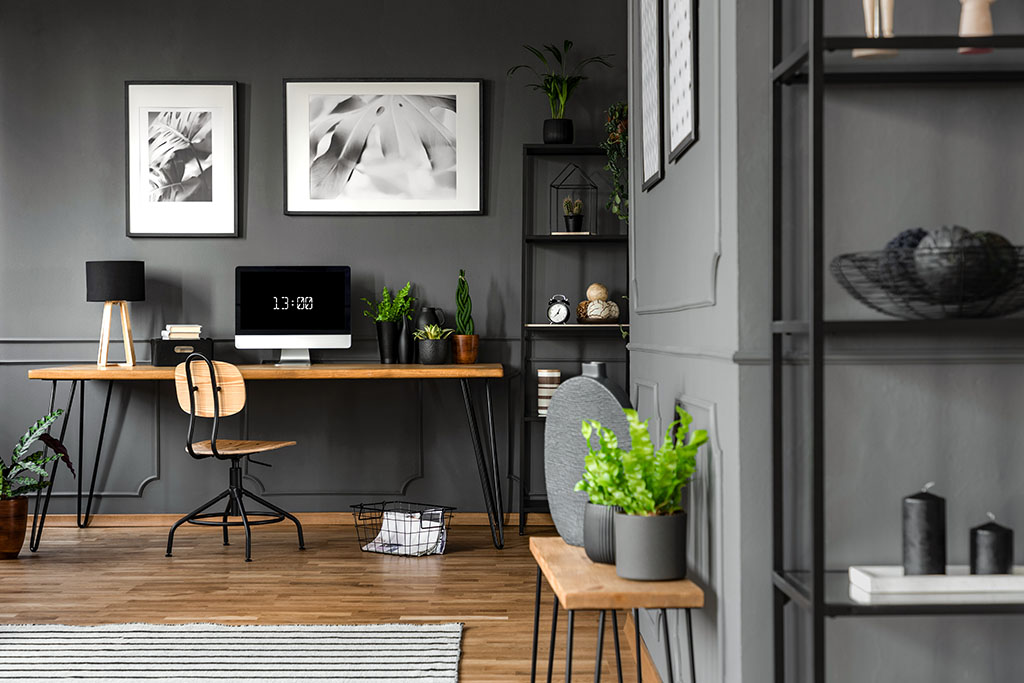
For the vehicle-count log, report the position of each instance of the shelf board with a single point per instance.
(561, 150)
(535, 418)
(837, 603)
(947, 326)
(570, 239)
(928, 42)
(577, 329)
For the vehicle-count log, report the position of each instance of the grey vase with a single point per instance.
(650, 548)
(599, 532)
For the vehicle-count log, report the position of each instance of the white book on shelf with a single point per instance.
(890, 580)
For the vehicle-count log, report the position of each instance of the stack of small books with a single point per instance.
(181, 331)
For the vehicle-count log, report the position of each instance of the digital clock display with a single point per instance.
(293, 301)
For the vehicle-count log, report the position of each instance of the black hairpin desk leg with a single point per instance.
(84, 521)
(43, 503)
(491, 503)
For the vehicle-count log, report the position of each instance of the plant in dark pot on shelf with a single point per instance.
(558, 81)
(433, 342)
(467, 341)
(647, 484)
(573, 211)
(25, 473)
(389, 315)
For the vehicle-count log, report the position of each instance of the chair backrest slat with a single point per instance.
(229, 378)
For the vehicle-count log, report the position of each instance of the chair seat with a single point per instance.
(236, 447)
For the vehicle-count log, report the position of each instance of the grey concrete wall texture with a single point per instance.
(62, 67)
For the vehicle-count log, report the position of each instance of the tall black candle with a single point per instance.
(924, 533)
(991, 548)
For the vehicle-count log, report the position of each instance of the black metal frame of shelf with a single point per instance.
(807, 66)
(530, 331)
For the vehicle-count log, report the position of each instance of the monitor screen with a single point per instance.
(292, 300)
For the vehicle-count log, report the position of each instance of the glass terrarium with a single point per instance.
(572, 202)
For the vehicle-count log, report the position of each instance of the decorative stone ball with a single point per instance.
(597, 292)
(1001, 260)
(597, 312)
(897, 265)
(951, 264)
(908, 239)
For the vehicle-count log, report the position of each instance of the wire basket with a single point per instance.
(944, 282)
(394, 527)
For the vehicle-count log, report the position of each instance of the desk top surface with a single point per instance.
(580, 583)
(254, 372)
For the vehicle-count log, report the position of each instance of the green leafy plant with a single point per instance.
(432, 332)
(390, 309)
(616, 147)
(642, 481)
(572, 208)
(557, 80)
(27, 471)
(463, 307)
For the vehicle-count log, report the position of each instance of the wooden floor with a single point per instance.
(110, 575)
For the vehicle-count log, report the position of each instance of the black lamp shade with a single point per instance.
(115, 280)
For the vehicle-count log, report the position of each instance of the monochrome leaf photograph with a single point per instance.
(181, 156)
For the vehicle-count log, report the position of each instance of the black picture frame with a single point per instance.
(653, 39)
(291, 135)
(681, 147)
(132, 151)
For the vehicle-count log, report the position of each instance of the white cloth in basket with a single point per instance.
(410, 533)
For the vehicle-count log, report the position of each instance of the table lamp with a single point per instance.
(115, 283)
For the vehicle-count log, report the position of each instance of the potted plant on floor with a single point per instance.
(573, 211)
(25, 473)
(467, 341)
(558, 82)
(389, 315)
(647, 484)
(433, 342)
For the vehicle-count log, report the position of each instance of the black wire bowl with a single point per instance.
(944, 282)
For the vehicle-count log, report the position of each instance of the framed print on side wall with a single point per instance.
(383, 147)
(650, 92)
(181, 162)
(681, 18)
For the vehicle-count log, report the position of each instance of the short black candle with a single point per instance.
(924, 533)
(991, 548)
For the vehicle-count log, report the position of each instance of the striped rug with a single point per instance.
(424, 653)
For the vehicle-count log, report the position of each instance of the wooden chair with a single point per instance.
(214, 389)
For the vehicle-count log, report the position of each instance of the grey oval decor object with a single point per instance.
(593, 397)
(599, 532)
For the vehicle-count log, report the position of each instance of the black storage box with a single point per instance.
(170, 352)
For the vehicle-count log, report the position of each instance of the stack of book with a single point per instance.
(181, 331)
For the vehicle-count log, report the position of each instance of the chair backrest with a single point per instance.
(227, 378)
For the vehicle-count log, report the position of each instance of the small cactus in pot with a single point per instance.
(467, 341)
(573, 210)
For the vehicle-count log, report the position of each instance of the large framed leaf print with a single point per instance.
(383, 147)
(181, 159)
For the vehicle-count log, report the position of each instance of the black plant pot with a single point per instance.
(558, 132)
(434, 351)
(650, 548)
(406, 350)
(599, 532)
(574, 222)
(387, 341)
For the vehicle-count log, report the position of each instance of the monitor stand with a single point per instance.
(293, 357)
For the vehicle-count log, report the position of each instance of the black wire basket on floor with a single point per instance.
(946, 282)
(395, 527)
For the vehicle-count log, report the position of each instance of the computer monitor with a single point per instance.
(293, 308)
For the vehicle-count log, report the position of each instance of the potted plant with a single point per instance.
(616, 147)
(557, 81)
(24, 474)
(573, 211)
(433, 343)
(467, 341)
(388, 314)
(647, 484)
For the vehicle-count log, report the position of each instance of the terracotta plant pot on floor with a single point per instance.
(13, 518)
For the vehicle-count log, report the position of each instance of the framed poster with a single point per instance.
(681, 17)
(650, 92)
(383, 147)
(181, 159)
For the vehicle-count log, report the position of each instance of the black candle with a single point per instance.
(924, 533)
(991, 548)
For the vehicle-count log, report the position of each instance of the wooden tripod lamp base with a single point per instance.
(126, 332)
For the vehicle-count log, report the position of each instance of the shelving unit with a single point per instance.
(536, 238)
(824, 594)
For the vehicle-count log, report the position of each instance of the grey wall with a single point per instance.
(62, 68)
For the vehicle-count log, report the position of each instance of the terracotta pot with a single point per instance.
(13, 518)
(467, 346)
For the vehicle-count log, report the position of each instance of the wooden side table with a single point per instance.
(578, 583)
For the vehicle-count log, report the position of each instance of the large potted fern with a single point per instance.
(467, 341)
(26, 473)
(389, 315)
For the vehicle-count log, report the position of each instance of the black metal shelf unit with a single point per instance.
(531, 330)
(824, 594)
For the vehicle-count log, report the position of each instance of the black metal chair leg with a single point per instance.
(568, 645)
(536, 630)
(84, 521)
(280, 511)
(551, 644)
(618, 652)
(245, 523)
(600, 647)
(211, 503)
(481, 464)
(36, 536)
(689, 643)
(495, 470)
(224, 520)
(668, 646)
(636, 642)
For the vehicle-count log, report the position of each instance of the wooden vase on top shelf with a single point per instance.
(878, 23)
(13, 520)
(467, 348)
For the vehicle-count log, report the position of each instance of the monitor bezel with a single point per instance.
(240, 331)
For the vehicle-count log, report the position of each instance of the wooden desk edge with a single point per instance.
(269, 372)
(689, 594)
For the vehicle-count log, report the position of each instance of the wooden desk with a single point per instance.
(578, 583)
(79, 374)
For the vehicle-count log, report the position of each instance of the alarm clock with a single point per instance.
(558, 309)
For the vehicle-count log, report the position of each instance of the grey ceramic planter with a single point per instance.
(650, 548)
(433, 351)
(599, 532)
